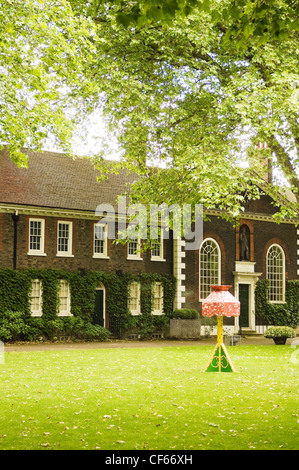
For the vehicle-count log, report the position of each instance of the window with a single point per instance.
(134, 249)
(209, 267)
(64, 239)
(158, 298)
(64, 299)
(134, 298)
(157, 249)
(36, 237)
(36, 298)
(276, 273)
(100, 240)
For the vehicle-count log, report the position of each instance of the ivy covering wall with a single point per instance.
(285, 314)
(15, 291)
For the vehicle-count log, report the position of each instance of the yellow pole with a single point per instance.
(220, 330)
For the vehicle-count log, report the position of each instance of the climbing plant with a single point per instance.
(15, 291)
(285, 314)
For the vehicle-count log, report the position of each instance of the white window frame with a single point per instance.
(281, 275)
(66, 312)
(158, 297)
(160, 243)
(137, 255)
(137, 310)
(37, 312)
(41, 250)
(105, 241)
(69, 252)
(216, 276)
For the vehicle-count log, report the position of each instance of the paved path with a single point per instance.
(254, 340)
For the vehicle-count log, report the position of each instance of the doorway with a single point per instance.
(244, 305)
(99, 307)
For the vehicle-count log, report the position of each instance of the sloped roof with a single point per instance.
(55, 180)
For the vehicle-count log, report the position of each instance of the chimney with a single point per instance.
(266, 161)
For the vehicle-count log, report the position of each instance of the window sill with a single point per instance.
(158, 259)
(64, 255)
(134, 258)
(31, 253)
(101, 257)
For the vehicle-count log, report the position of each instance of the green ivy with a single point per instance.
(15, 289)
(286, 314)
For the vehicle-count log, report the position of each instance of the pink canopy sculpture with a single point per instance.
(220, 303)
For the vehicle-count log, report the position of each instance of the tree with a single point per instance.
(188, 91)
(46, 54)
(182, 83)
(261, 18)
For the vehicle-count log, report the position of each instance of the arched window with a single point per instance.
(209, 267)
(276, 273)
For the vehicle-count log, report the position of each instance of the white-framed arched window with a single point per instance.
(276, 273)
(209, 266)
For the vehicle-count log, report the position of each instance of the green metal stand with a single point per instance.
(220, 360)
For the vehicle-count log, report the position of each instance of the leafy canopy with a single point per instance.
(193, 85)
(45, 55)
(200, 91)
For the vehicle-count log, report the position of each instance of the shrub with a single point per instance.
(279, 332)
(13, 326)
(145, 325)
(54, 328)
(95, 332)
(185, 313)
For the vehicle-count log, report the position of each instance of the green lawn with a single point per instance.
(149, 398)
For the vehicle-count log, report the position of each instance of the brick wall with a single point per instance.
(6, 245)
(262, 235)
(82, 249)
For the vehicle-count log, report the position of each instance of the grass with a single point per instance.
(149, 398)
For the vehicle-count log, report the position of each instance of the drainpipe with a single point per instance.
(15, 218)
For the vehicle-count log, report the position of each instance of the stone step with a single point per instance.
(250, 333)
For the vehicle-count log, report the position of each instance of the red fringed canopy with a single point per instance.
(221, 303)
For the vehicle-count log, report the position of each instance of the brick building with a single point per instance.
(270, 252)
(49, 219)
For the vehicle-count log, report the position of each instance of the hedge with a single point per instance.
(185, 314)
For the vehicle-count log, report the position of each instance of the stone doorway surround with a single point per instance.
(245, 274)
